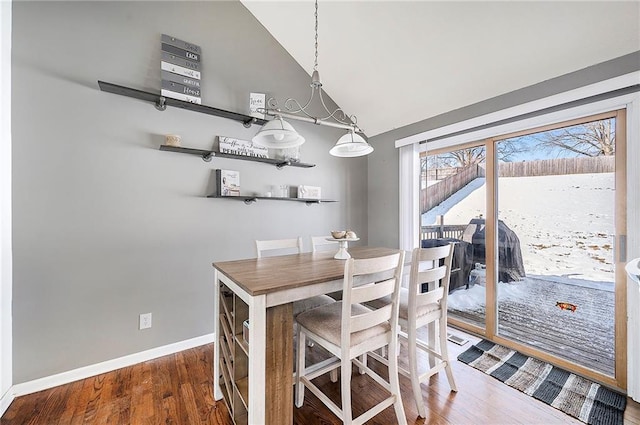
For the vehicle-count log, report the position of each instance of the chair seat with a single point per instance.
(403, 312)
(325, 321)
(310, 303)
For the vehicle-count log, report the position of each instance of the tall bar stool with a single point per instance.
(348, 329)
(431, 267)
(293, 245)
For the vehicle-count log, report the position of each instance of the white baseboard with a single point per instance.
(6, 400)
(108, 366)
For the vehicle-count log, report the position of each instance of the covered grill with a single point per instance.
(510, 265)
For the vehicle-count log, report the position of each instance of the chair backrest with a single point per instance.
(366, 273)
(320, 242)
(431, 266)
(292, 246)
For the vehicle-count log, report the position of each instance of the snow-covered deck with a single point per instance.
(565, 224)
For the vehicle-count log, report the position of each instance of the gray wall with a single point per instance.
(383, 163)
(106, 226)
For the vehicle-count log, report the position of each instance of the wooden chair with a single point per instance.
(418, 309)
(320, 243)
(291, 246)
(348, 329)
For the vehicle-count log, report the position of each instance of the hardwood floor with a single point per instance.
(177, 389)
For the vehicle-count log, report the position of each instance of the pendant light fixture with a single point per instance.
(351, 145)
(278, 133)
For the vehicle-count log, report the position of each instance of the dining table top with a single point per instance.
(259, 276)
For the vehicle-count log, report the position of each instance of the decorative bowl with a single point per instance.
(338, 234)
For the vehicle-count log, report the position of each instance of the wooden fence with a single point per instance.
(438, 192)
(553, 167)
(435, 194)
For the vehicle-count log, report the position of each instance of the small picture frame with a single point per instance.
(257, 101)
(228, 182)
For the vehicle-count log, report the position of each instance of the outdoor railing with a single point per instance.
(437, 231)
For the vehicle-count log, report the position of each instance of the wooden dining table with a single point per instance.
(269, 286)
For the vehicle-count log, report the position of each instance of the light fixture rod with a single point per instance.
(278, 112)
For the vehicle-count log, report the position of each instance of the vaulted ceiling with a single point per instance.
(394, 63)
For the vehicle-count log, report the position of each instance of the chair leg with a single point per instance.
(345, 387)
(363, 360)
(431, 329)
(333, 374)
(413, 369)
(394, 382)
(300, 368)
(444, 352)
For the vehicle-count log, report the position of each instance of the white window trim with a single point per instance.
(409, 197)
(601, 87)
(6, 336)
(630, 102)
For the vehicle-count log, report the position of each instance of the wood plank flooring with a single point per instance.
(177, 389)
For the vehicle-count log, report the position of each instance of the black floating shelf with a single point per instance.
(162, 102)
(250, 199)
(207, 155)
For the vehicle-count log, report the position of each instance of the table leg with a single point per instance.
(217, 393)
(279, 365)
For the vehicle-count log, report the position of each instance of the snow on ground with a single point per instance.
(565, 223)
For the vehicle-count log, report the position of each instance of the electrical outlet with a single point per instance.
(145, 321)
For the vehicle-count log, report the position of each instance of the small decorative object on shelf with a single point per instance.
(256, 101)
(228, 182)
(288, 154)
(309, 192)
(241, 147)
(173, 140)
(180, 69)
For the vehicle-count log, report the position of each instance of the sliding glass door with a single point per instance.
(537, 218)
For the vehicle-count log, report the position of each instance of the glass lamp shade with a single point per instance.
(351, 145)
(278, 134)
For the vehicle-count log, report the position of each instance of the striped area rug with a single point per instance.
(576, 396)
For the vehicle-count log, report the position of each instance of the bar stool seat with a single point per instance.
(403, 311)
(326, 322)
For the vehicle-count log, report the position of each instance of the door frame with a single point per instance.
(511, 120)
(6, 280)
(619, 380)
